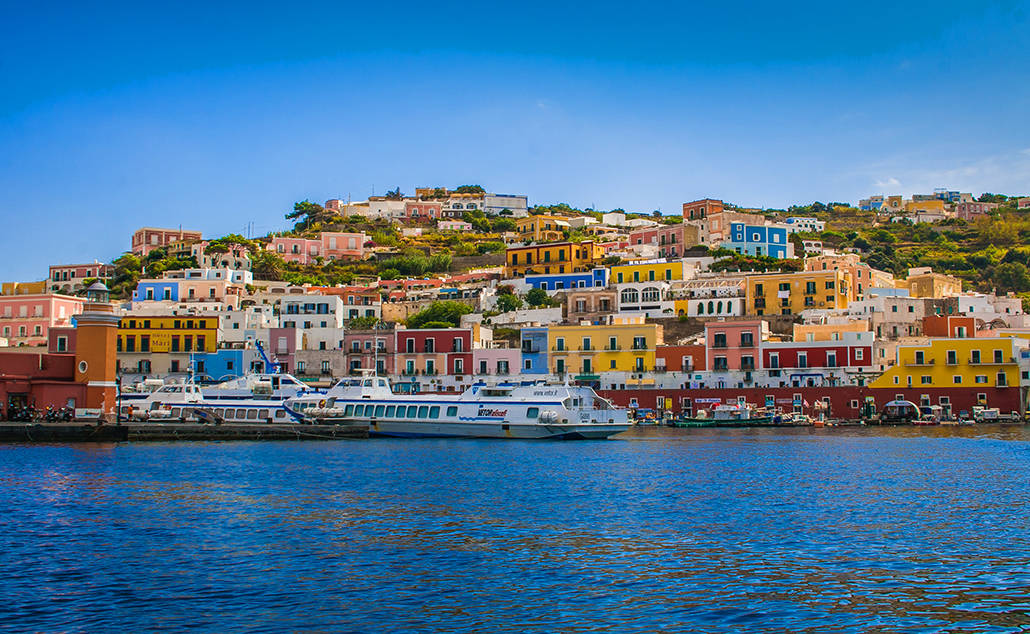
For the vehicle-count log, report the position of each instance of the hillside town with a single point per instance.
(667, 315)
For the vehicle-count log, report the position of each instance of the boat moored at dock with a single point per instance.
(526, 409)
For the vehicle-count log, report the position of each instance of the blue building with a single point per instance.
(534, 350)
(770, 240)
(156, 290)
(597, 278)
(225, 364)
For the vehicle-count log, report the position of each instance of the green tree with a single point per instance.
(500, 225)
(127, 270)
(509, 302)
(469, 189)
(267, 265)
(538, 297)
(1012, 276)
(223, 244)
(395, 194)
(307, 213)
(362, 323)
(444, 312)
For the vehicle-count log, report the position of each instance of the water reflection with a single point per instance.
(890, 529)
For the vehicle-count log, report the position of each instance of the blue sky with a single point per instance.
(124, 115)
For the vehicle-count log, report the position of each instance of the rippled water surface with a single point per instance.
(828, 530)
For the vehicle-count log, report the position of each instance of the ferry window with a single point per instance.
(359, 410)
(389, 411)
(379, 410)
(412, 411)
(252, 414)
(434, 411)
(533, 412)
(175, 412)
(452, 410)
(423, 411)
(349, 411)
(279, 413)
(219, 413)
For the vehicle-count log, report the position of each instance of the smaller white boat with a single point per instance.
(255, 398)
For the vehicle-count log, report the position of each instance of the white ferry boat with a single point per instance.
(256, 398)
(505, 410)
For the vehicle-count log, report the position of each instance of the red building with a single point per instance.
(840, 402)
(147, 239)
(949, 326)
(76, 371)
(433, 352)
(816, 354)
(681, 358)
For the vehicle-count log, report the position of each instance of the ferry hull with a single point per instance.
(405, 429)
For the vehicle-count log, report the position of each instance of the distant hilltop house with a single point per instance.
(430, 203)
(328, 246)
(147, 239)
(714, 220)
(803, 224)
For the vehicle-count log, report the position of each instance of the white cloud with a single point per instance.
(1006, 173)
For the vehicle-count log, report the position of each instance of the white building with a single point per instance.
(494, 204)
(804, 224)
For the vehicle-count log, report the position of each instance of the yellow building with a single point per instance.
(955, 363)
(923, 282)
(563, 257)
(860, 276)
(650, 271)
(23, 288)
(167, 334)
(936, 205)
(542, 228)
(791, 293)
(584, 351)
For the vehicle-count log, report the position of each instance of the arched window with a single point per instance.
(630, 296)
(650, 294)
(718, 308)
(700, 308)
(711, 307)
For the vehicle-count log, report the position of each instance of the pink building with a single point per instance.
(283, 344)
(422, 210)
(499, 362)
(147, 239)
(970, 210)
(367, 349)
(68, 278)
(670, 239)
(328, 246)
(454, 225)
(25, 320)
(733, 345)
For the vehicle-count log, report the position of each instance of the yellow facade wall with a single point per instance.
(953, 363)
